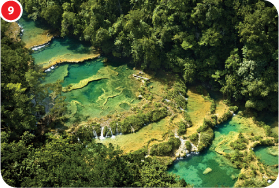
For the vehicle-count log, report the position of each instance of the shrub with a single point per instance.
(205, 138)
(227, 102)
(159, 114)
(212, 107)
(181, 128)
(139, 120)
(233, 108)
(241, 176)
(194, 138)
(201, 146)
(240, 143)
(157, 105)
(199, 89)
(225, 117)
(165, 148)
(214, 119)
(97, 128)
(188, 120)
(85, 133)
(188, 145)
(202, 128)
(266, 142)
(113, 126)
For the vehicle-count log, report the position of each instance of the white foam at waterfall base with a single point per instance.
(47, 70)
(39, 47)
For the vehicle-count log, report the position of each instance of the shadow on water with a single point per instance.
(267, 154)
(75, 45)
(192, 168)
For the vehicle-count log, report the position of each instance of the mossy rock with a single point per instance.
(207, 170)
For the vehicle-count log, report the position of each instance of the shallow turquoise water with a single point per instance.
(80, 71)
(97, 98)
(192, 168)
(264, 155)
(61, 47)
(227, 127)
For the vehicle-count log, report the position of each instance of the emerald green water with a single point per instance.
(116, 94)
(80, 71)
(31, 29)
(263, 152)
(222, 174)
(113, 92)
(61, 48)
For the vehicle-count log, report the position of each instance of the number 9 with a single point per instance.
(11, 10)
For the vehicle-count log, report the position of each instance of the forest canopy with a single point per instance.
(229, 45)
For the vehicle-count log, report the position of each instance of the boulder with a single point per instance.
(207, 170)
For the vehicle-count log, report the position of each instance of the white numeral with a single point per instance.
(11, 10)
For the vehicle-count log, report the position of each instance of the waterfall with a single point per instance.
(112, 136)
(102, 133)
(95, 134)
(21, 29)
(117, 132)
(183, 96)
(133, 129)
(35, 48)
(107, 134)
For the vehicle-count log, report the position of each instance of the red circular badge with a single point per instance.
(11, 10)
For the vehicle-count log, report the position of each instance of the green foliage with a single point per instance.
(236, 157)
(78, 165)
(178, 94)
(97, 128)
(225, 117)
(85, 134)
(137, 121)
(212, 107)
(233, 108)
(188, 145)
(181, 128)
(205, 139)
(206, 124)
(241, 176)
(194, 138)
(240, 143)
(153, 174)
(165, 148)
(113, 126)
(188, 120)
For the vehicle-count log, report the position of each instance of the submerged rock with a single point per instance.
(207, 170)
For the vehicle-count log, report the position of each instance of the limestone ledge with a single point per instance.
(40, 39)
(53, 62)
(103, 73)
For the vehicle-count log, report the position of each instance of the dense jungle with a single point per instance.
(140, 93)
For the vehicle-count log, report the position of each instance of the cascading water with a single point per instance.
(102, 133)
(95, 134)
(133, 130)
(112, 136)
